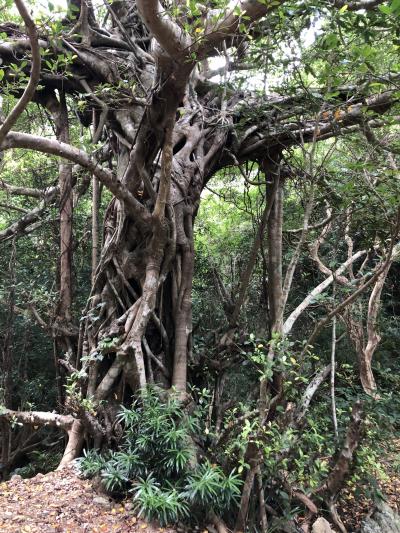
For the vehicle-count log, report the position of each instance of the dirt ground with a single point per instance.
(353, 508)
(62, 502)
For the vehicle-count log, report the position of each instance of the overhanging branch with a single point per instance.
(18, 227)
(38, 418)
(35, 72)
(71, 153)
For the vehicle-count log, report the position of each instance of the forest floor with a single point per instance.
(353, 507)
(62, 502)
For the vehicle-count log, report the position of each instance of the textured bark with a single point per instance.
(366, 340)
(95, 225)
(261, 502)
(74, 444)
(30, 89)
(308, 395)
(245, 500)
(38, 418)
(287, 284)
(275, 259)
(269, 391)
(333, 375)
(254, 453)
(373, 338)
(63, 343)
(183, 317)
(66, 213)
(352, 298)
(20, 226)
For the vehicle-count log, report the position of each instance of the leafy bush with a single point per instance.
(154, 502)
(157, 463)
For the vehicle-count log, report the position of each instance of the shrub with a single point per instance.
(157, 463)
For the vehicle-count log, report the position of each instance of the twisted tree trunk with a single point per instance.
(166, 131)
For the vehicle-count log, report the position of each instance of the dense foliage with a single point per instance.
(156, 461)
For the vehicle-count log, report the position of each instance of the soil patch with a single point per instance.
(62, 502)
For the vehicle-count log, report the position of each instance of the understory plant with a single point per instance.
(160, 465)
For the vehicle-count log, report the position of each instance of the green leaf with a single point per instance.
(330, 41)
(385, 9)
(395, 7)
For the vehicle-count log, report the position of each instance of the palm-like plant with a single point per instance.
(157, 463)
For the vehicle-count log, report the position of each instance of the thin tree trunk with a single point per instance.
(95, 225)
(275, 200)
(183, 317)
(335, 479)
(332, 380)
(275, 288)
(245, 500)
(74, 444)
(275, 221)
(287, 284)
(261, 501)
(373, 337)
(7, 365)
(247, 272)
(59, 111)
(62, 343)
(66, 212)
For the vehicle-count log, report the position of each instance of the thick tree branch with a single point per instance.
(311, 389)
(173, 39)
(33, 216)
(333, 122)
(232, 66)
(38, 418)
(334, 481)
(347, 301)
(294, 315)
(246, 12)
(35, 72)
(51, 146)
(13, 190)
